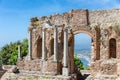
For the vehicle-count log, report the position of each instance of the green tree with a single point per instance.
(14, 52)
(78, 62)
(9, 53)
(4, 56)
(24, 47)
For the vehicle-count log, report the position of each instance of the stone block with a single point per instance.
(65, 71)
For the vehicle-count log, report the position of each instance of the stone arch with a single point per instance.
(39, 47)
(112, 48)
(84, 31)
(94, 54)
(71, 45)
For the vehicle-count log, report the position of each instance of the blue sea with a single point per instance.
(85, 52)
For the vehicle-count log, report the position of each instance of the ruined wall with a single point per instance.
(107, 21)
(36, 37)
(101, 25)
(45, 67)
(34, 65)
(104, 16)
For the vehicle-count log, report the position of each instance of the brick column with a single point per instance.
(44, 55)
(55, 43)
(65, 70)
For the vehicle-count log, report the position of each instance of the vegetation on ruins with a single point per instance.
(9, 53)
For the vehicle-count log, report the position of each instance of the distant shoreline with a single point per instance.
(83, 51)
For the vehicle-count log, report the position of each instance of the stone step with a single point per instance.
(102, 77)
(85, 72)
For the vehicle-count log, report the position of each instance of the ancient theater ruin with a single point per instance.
(51, 45)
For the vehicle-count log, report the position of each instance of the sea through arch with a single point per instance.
(82, 47)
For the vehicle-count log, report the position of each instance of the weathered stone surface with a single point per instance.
(29, 65)
(14, 69)
(34, 75)
(108, 68)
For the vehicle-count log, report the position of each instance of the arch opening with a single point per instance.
(51, 47)
(112, 48)
(39, 47)
(82, 48)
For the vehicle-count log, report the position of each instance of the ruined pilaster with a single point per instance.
(55, 43)
(19, 53)
(44, 55)
(30, 44)
(65, 70)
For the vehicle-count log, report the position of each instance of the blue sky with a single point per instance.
(15, 14)
(82, 41)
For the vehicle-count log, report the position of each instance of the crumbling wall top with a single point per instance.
(79, 18)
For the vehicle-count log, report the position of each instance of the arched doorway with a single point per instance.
(51, 47)
(82, 48)
(39, 47)
(85, 44)
(112, 48)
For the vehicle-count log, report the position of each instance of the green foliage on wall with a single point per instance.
(9, 52)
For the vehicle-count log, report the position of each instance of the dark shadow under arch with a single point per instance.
(39, 47)
(112, 48)
(51, 47)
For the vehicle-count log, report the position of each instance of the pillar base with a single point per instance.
(29, 58)
(43, 59)
(20, 59)
(65, 71)
(55, 60)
